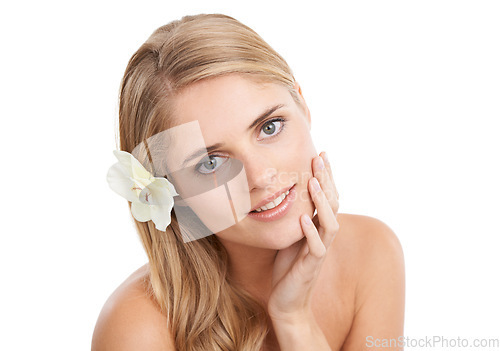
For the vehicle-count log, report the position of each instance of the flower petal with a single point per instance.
(121, 183)
(171, 188)
(161, 216)
(135, 169)
(141, 212)
(158, 193)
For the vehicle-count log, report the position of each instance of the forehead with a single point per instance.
(227, 100)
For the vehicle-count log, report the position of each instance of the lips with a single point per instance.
(278, 212)
(270, 198)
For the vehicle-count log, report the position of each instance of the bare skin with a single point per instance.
(359, 293)
(327, 286)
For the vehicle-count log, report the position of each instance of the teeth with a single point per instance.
(273, 203)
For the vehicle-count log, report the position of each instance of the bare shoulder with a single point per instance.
(361, 240)
(370, 251)
(368, 246)
(367, 234)
(130, 320)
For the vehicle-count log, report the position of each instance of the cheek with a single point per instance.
(223, 206)
(298, 153)
(306, 144)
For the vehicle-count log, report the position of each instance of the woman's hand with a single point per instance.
(297, 267)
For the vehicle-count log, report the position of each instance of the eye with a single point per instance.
(210, 164)
(272, 127)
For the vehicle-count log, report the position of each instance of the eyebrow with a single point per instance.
(211, 148)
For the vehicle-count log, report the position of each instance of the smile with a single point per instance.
(275, 209)
(273, 203)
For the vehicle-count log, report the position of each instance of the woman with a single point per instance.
(268, 278)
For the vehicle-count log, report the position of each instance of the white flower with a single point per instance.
(152, 197)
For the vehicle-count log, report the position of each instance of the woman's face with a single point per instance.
(264, 147)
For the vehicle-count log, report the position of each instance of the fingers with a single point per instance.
(328, 225)
(320, 234)
(314, 243)
(328, 167)
(310, 263)
(323, 172)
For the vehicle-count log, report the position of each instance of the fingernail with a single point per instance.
(321, 164)
(316, 185)
(307, 220)
(326, 157)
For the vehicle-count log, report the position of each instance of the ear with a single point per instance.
(303, 103)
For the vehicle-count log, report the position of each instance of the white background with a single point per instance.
(404, 97)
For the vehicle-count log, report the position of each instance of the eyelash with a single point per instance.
(276, 119)
(208, 157)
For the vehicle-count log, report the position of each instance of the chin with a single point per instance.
(287, 241)
(286, 236)
(289, 230)
(264, 238)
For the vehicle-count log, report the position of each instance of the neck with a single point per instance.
(251, 268)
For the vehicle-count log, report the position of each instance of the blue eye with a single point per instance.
(272, 127)
(210, 164)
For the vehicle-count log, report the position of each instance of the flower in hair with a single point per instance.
(152, 197)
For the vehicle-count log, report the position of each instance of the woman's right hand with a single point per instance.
(297, 267)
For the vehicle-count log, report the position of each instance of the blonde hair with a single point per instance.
(189, 281)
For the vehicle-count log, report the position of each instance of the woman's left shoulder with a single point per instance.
(365, 249)
(362, 278)
(364, 282)
(367, 254)
(365, 237)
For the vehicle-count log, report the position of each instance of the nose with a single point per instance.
(260, 172)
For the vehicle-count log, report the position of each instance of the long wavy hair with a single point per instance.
(189, 281)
